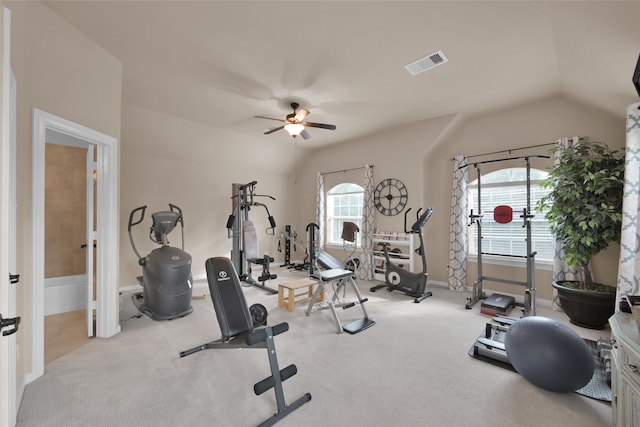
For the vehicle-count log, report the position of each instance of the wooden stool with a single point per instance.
(287, 296)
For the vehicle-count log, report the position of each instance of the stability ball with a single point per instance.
(549, 354)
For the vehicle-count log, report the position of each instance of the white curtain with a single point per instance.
(458, 228)
(320, 209)
(629, 266)
(366, 265)
(561, 271)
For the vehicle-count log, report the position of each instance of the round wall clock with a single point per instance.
(390, 196)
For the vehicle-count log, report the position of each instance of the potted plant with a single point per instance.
(585, 216)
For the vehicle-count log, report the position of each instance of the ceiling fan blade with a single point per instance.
(268, 118)
(320, 125)
(301, 114)
(304, 134)
(272, 130)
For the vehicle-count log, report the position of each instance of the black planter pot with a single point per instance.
(587, 309)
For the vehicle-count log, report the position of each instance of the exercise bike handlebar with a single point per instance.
(422, 220)
(175, 208)
(132, 223)
(133, 212)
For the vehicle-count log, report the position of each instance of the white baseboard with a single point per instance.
(131, 288)
(437, 283)
(64, 294)
(137, 287)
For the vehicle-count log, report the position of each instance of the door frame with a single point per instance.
(107, 318)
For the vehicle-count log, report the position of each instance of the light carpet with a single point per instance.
(410, 369)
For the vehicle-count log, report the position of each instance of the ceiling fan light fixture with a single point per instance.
(294, 129)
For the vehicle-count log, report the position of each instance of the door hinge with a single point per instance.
(14, 321)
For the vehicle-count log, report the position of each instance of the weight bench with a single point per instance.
(239, 331)
(338, 278)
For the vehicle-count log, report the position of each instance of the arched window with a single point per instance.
(344, 204)
(509, 187)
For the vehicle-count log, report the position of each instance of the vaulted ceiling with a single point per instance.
(222, 62)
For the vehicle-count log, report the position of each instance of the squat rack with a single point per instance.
(529, 307)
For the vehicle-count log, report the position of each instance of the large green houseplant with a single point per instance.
(585, 216)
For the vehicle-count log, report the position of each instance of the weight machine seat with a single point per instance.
(250, 240)
(260, 261)
(239, 331)
(251, 255)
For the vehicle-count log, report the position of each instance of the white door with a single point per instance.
(92, 174)
(8, 405)
(8, 408)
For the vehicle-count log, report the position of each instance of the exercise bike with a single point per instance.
(166, 278)
(399, 279)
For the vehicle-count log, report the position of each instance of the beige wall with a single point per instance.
(419, 155)
(65, 210)
(157, 168)
(62, 72)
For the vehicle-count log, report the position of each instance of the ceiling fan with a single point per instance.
(295, 124)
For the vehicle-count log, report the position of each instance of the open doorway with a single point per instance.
(105, 234)
(70, 182)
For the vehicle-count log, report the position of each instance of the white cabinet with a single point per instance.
(625, 370)
(401, 252)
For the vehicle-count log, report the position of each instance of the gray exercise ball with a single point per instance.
(549, 354)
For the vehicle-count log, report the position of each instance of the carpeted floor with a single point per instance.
(410, 369)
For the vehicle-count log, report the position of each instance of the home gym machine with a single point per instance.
(245, 242)
(291, 240)
(500, 304)
(166, 272)
(241, 331)
(399, 279)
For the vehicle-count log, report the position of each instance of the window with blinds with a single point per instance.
(344, 204)
(509, 187)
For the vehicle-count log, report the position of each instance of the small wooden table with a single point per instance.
(287, 296)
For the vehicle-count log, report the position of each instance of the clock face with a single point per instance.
(390, 196)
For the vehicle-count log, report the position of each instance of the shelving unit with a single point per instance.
(397, 241)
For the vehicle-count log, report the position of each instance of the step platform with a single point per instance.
(498, 305)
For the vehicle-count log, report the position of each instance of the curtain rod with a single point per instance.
(509, 150)
(343, 170)
(535, 156)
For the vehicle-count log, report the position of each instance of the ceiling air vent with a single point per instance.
(426, 63)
